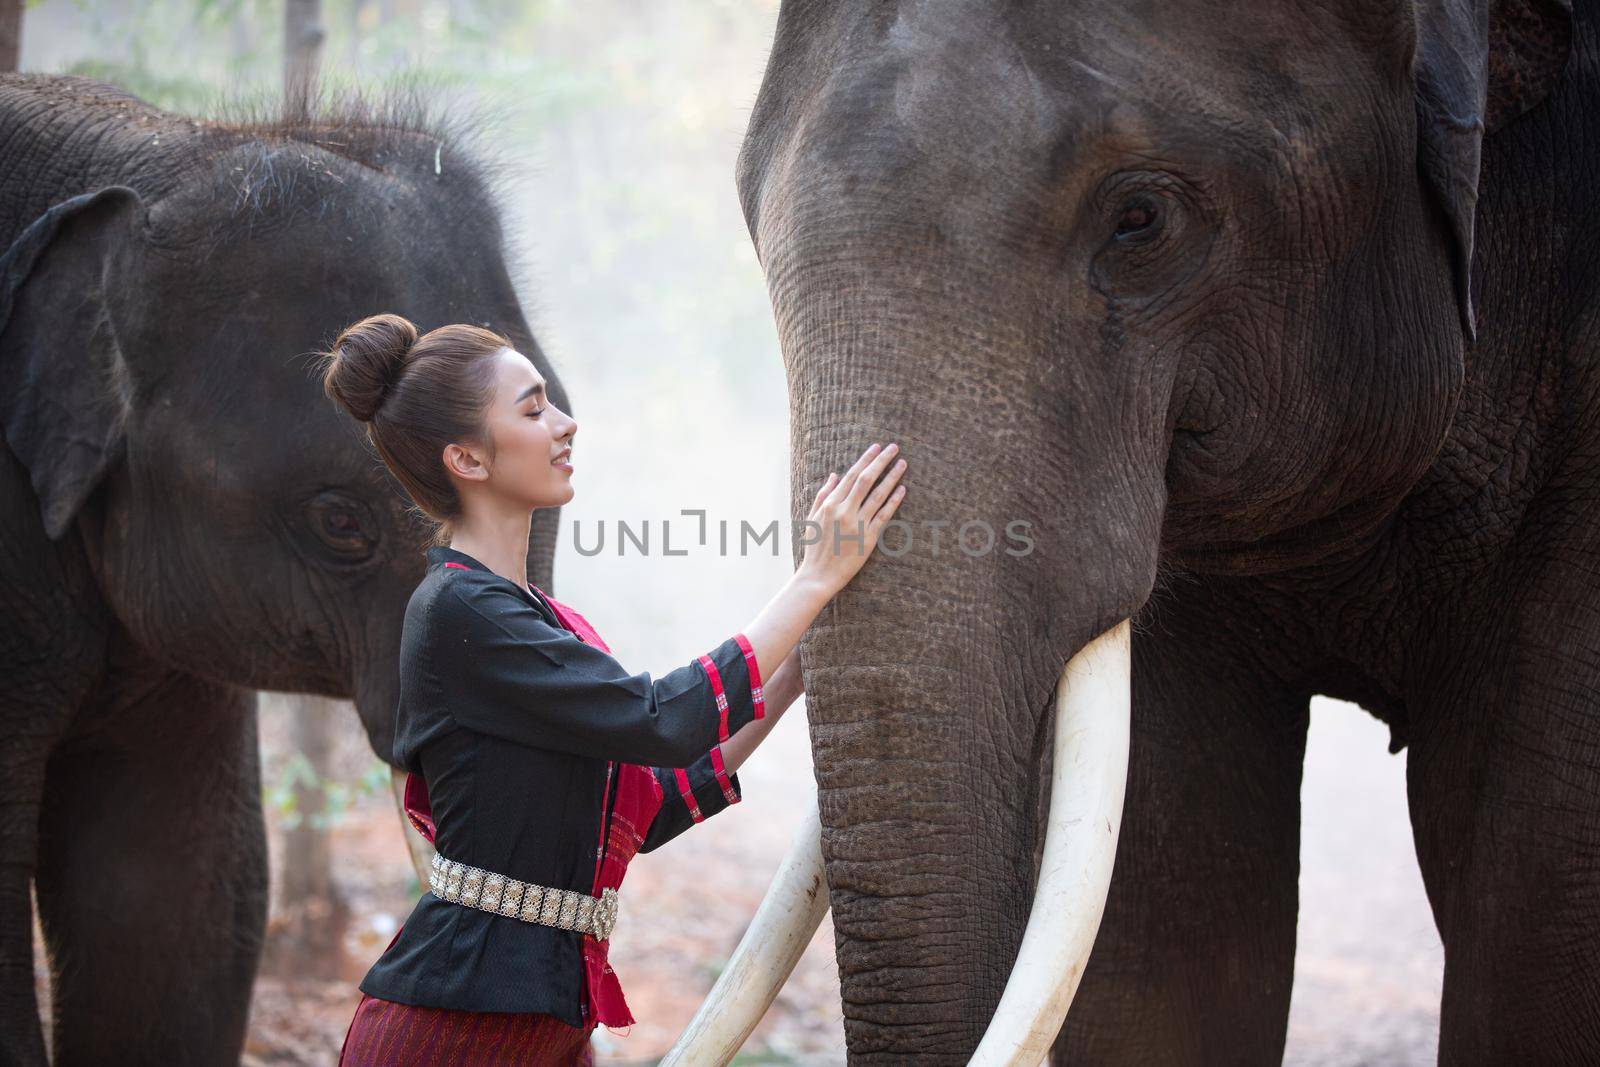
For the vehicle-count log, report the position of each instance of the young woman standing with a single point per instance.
(537, 764)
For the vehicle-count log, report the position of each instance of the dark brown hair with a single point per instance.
(416, 395)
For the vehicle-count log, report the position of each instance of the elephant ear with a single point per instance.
(1479, 64)
(64, 385)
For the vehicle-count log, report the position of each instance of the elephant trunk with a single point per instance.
(933, 746)
(919, 299)
(1031, 526)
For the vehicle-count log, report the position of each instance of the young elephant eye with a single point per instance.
(342, 525)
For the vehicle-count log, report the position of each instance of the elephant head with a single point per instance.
(1182, 285)
(157, 383)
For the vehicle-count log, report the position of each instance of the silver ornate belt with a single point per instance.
(546, 905)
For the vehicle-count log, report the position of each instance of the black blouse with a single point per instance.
(510, 719)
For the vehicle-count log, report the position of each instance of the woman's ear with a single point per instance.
(464, 463)
(66, 387)
(1478, 65)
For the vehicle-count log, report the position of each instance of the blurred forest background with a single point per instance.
(623, 118)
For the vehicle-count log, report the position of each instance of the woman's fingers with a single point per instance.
(869, 475)
(842, 490)
(816, 501)
(881, 491)
(852, 508)
(887, 511)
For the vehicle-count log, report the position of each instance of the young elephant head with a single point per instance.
(159, 386)
(1182, 282)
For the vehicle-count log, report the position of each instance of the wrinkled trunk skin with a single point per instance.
(930, 676)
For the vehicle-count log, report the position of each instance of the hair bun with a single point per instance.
(366, 362)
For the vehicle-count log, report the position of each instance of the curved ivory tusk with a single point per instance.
(783, 925)
(416, 844)
(1087, 782)
(1088, 777)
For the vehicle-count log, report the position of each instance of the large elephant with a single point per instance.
(187, 518)
(1276, 322)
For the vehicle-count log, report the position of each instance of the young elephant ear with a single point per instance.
(1479, 64)
(64, 385)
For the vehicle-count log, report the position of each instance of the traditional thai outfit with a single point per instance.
(538, 766)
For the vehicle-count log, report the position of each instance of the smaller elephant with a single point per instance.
(187, 519)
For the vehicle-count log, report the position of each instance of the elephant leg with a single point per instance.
(152, 881)
(23, 758)
(1194, 960)
(1503, 781)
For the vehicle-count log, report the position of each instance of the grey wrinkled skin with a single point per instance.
(187, 517)
(1186, 286)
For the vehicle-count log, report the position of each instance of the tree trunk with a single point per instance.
(302, 52)
(308, 940)
(307, 937)
(10, 34)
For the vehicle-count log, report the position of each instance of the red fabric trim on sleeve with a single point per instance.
(457, 566)
(755, 674)
(722, 698)
(688, 794)
(722, 775)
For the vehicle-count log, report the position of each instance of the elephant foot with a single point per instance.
(21, 1037)
(23, 759)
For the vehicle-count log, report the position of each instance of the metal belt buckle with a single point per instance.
(605, 914)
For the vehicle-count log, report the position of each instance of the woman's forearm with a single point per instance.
(775, 631)
(783, 690)
(743, 741)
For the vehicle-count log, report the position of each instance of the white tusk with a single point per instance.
(1088, 778)
(1093, 701)
(783, 925)
(416, 844)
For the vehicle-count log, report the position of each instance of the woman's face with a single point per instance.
(532, 466)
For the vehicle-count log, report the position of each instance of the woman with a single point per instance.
(538, 764)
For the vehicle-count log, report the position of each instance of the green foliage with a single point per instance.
(185, 54)
(297, 776)
(625, 115)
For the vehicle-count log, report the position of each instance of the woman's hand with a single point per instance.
(850, 512)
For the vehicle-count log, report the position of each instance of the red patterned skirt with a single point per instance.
(386, 1034)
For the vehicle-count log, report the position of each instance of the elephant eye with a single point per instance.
(1136, 219)
(342, 524)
